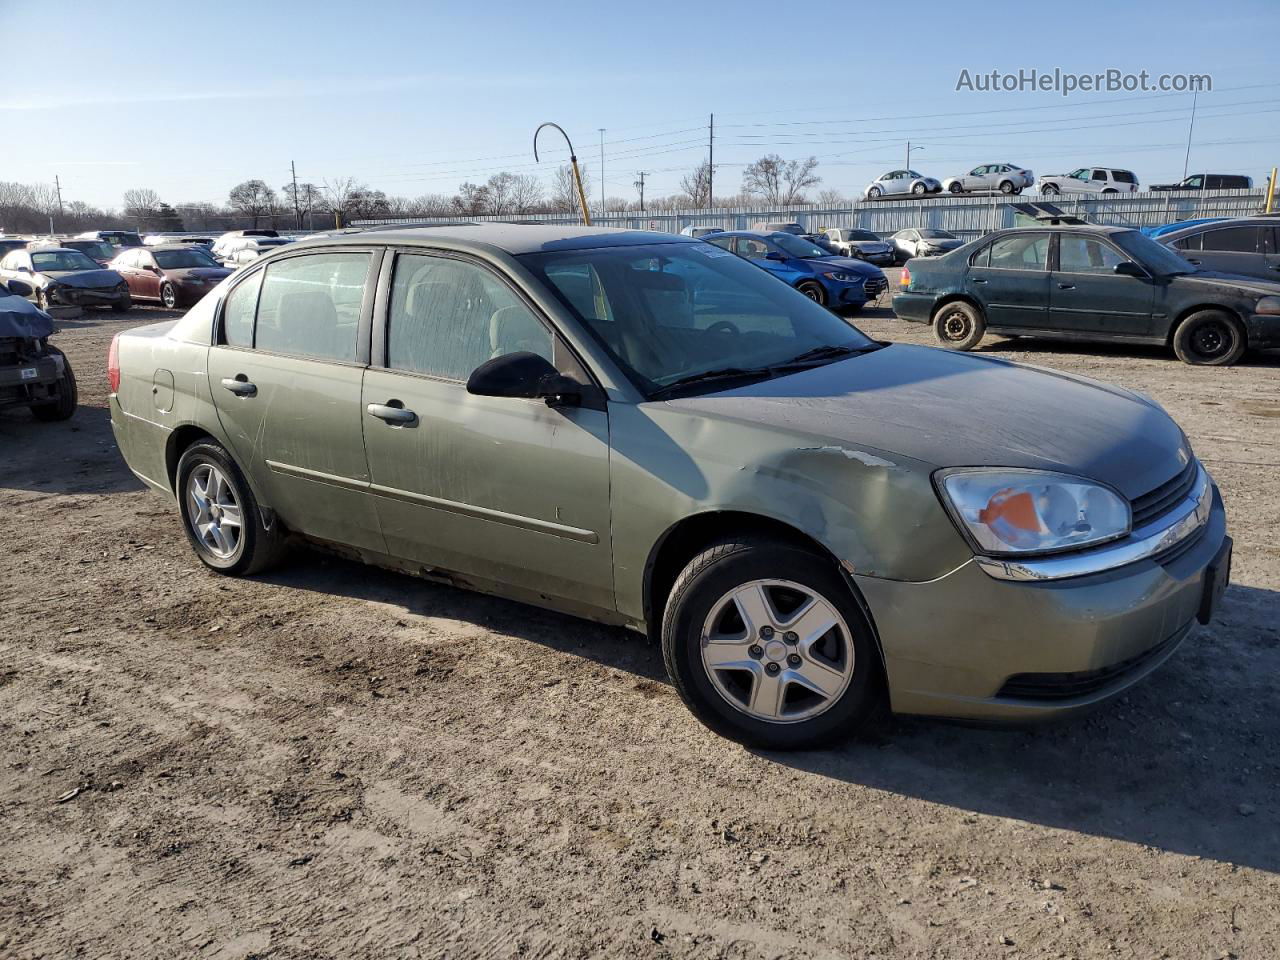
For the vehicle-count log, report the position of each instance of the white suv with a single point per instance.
(1091, 180)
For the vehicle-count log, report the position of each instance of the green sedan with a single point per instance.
(645, 430)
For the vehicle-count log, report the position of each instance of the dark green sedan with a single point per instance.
(1089, 283)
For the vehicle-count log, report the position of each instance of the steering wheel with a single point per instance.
(723, 326)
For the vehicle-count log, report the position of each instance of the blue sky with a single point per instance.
(414, 98)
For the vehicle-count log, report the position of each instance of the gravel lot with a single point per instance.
(333, 761)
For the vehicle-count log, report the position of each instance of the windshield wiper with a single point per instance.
(822, 354)
(710, 376)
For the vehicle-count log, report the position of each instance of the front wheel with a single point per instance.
(959, 326)
(1050, 190)
(766, 644)
(64, 407)
(220, 515)
(1209, 338)
(168, 296)
(123, 304)
(873, 193)
(813, 291)
(919, 189)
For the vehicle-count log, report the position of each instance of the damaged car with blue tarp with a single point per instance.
(33, 372)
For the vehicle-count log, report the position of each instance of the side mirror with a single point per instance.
(20, 289)
(525, 375)
(774, 255)
(1127, 268)
(24, 269)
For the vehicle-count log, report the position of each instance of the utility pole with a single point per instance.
(297, 213)
(601, 171)
(640, 183)
(58, 184)
(908, 154)
(311, 212)
(1186, 161)
(711, 160)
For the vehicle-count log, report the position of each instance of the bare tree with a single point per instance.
(564, 193)
(430, 205)
(780, 182)
(831, 198)
(337, 196)
(526, 192)
(252, 198)
(499, 189)
(472, 200)
(697, 185)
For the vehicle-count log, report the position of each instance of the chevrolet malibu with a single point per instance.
(646, 430)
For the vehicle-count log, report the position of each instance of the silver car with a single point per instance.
(1090, 180)
(862, 244)
(1004, 178)
(1248, 246)
(901, 183)
(922, 242)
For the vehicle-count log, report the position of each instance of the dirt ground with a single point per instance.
(334, 761)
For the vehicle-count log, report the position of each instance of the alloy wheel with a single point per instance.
(777, 651)
(214, 512)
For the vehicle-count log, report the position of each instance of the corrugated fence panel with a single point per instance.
(965, 216)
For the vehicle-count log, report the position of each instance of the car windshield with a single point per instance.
(860, 235)
(103, 251)
(1156, 257)
(692, 317)
(937, 235)
(62, 260)
(799, 246)
(177, 259)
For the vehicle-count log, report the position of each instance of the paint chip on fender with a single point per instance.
(866, 459)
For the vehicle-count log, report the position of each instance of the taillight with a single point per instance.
(113, 364)
(905, 280)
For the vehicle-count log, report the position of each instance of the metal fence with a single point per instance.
(965, 216)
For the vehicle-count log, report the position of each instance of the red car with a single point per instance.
(173, 275)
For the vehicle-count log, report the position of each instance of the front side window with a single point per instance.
(1232, 240)
(310, 306)
(680, 310)
(799, 247)
(1022, 251)
(1193, 182)
(449, 316)
(1080, 254)
(753, 249)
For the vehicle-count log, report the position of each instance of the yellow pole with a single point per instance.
(1271, 191)
(582, 196)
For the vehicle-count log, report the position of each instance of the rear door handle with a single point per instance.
(240, 385)
(392, 413)
(1066, 286)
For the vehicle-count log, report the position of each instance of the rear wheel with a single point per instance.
(220, 515)
(813, 291)
(1211, 338)
(64, 407)
(959, 325)
(766, 645)
(955, 188)
(1006, 187)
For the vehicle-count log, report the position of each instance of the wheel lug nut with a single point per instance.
(756, 650)
(791, 636)
(771, 668)
(766, 632)
(793, 661)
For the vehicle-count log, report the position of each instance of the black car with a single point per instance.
(1208, 181)
(1089, 283)
(1249, 246)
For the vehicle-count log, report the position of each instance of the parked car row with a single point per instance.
(1087, 282)
(1010, 178)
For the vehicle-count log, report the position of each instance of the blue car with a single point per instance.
(835, 281)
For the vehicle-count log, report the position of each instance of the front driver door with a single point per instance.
(1086, 295)
(285, 375)
(495, 490)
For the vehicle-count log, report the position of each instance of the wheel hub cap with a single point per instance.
(777, 651)
(213, 511)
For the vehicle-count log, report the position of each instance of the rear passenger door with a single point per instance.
(285, 374)
(1010, 278)
(1232, 250)
(497, 490)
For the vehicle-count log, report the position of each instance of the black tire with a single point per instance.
(168, 296)
(712, 574)
(1006, 187)
(959, 325)
(813, 290)
(955, 188)
(261, 544)
(1109, 190)
(1050, 190)
(123, 305)
(64, 407)
(1210, 338)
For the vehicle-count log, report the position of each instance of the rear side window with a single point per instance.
(310, 306)
(237, 314)
(448, 316)
(1020, 252)
(1232, 240)
(1270, 240)
(1188, 243)
(981, 258)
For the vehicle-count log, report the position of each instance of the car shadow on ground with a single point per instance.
(1012, 348)
(1172, 764)
(70, 456)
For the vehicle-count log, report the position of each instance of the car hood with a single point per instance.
(19, 317)
(942, 244)
(846, 264)
(1217, 279)
(945, 409)
(198, 273)
(87, 279)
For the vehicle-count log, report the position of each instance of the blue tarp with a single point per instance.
(20, 317)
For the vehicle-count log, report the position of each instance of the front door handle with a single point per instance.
(240, 385)
(1066, 286)
(393, 413)
(978, 279)
(1197, 262)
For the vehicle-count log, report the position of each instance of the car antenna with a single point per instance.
(573, 159)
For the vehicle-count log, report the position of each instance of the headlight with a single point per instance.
(1270, 306)
(1006, 511)
(845, 277)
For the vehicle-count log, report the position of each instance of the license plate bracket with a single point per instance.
(1217, 577)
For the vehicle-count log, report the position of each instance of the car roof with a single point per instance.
(1219, 225)
(176, 245)
(756, 233)
(512, 238)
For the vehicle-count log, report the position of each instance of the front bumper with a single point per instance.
(30, 381)
(1263, 331)
(972, 646)
(87, 296)
(854, 293)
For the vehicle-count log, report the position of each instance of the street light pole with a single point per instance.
(1186, 161)
(601, 171)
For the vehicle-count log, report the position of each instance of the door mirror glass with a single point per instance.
(774, 255)
(524, 375)
(1127, 268)
(20, 289)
